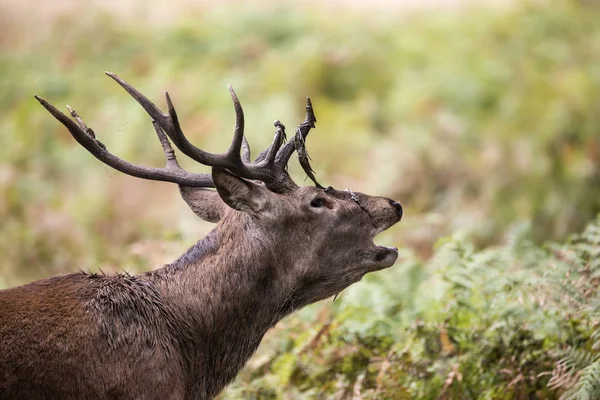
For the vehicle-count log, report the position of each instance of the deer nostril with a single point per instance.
(398, 208)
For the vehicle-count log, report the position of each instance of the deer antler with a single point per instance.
(269, 167)
(86, 137)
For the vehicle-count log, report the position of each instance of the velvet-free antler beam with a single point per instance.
(270, 166)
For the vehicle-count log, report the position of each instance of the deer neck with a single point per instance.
(226, 293)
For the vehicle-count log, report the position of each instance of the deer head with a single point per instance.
(322, 238)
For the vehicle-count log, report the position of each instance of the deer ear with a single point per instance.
(238, 193)
(205, 203)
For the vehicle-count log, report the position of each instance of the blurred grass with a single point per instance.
(474, 120)
(477, 121)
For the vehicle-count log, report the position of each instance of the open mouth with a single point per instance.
(384, 256)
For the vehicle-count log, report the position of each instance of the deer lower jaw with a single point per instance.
(384, 257)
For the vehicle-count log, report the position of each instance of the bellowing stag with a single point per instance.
(184, 331)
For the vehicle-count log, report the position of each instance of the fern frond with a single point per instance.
(588, 385)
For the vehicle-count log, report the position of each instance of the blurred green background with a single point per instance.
(484, 122)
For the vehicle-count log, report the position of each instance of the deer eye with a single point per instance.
(317, 202)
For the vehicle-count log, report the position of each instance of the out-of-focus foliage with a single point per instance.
(475, 120)
(511, 322)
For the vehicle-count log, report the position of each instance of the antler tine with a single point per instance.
(233, 153)
(283, 156)
(278, 140)
(166, 146)
(86, 137)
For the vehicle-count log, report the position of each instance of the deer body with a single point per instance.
(179, 332)
(183, 331)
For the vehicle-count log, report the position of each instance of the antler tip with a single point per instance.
(309, 105)
(310, 113)
(170, 105)
(232, 92)
(44, 102)
(114, 76)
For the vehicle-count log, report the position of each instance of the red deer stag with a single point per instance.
(184, 331)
